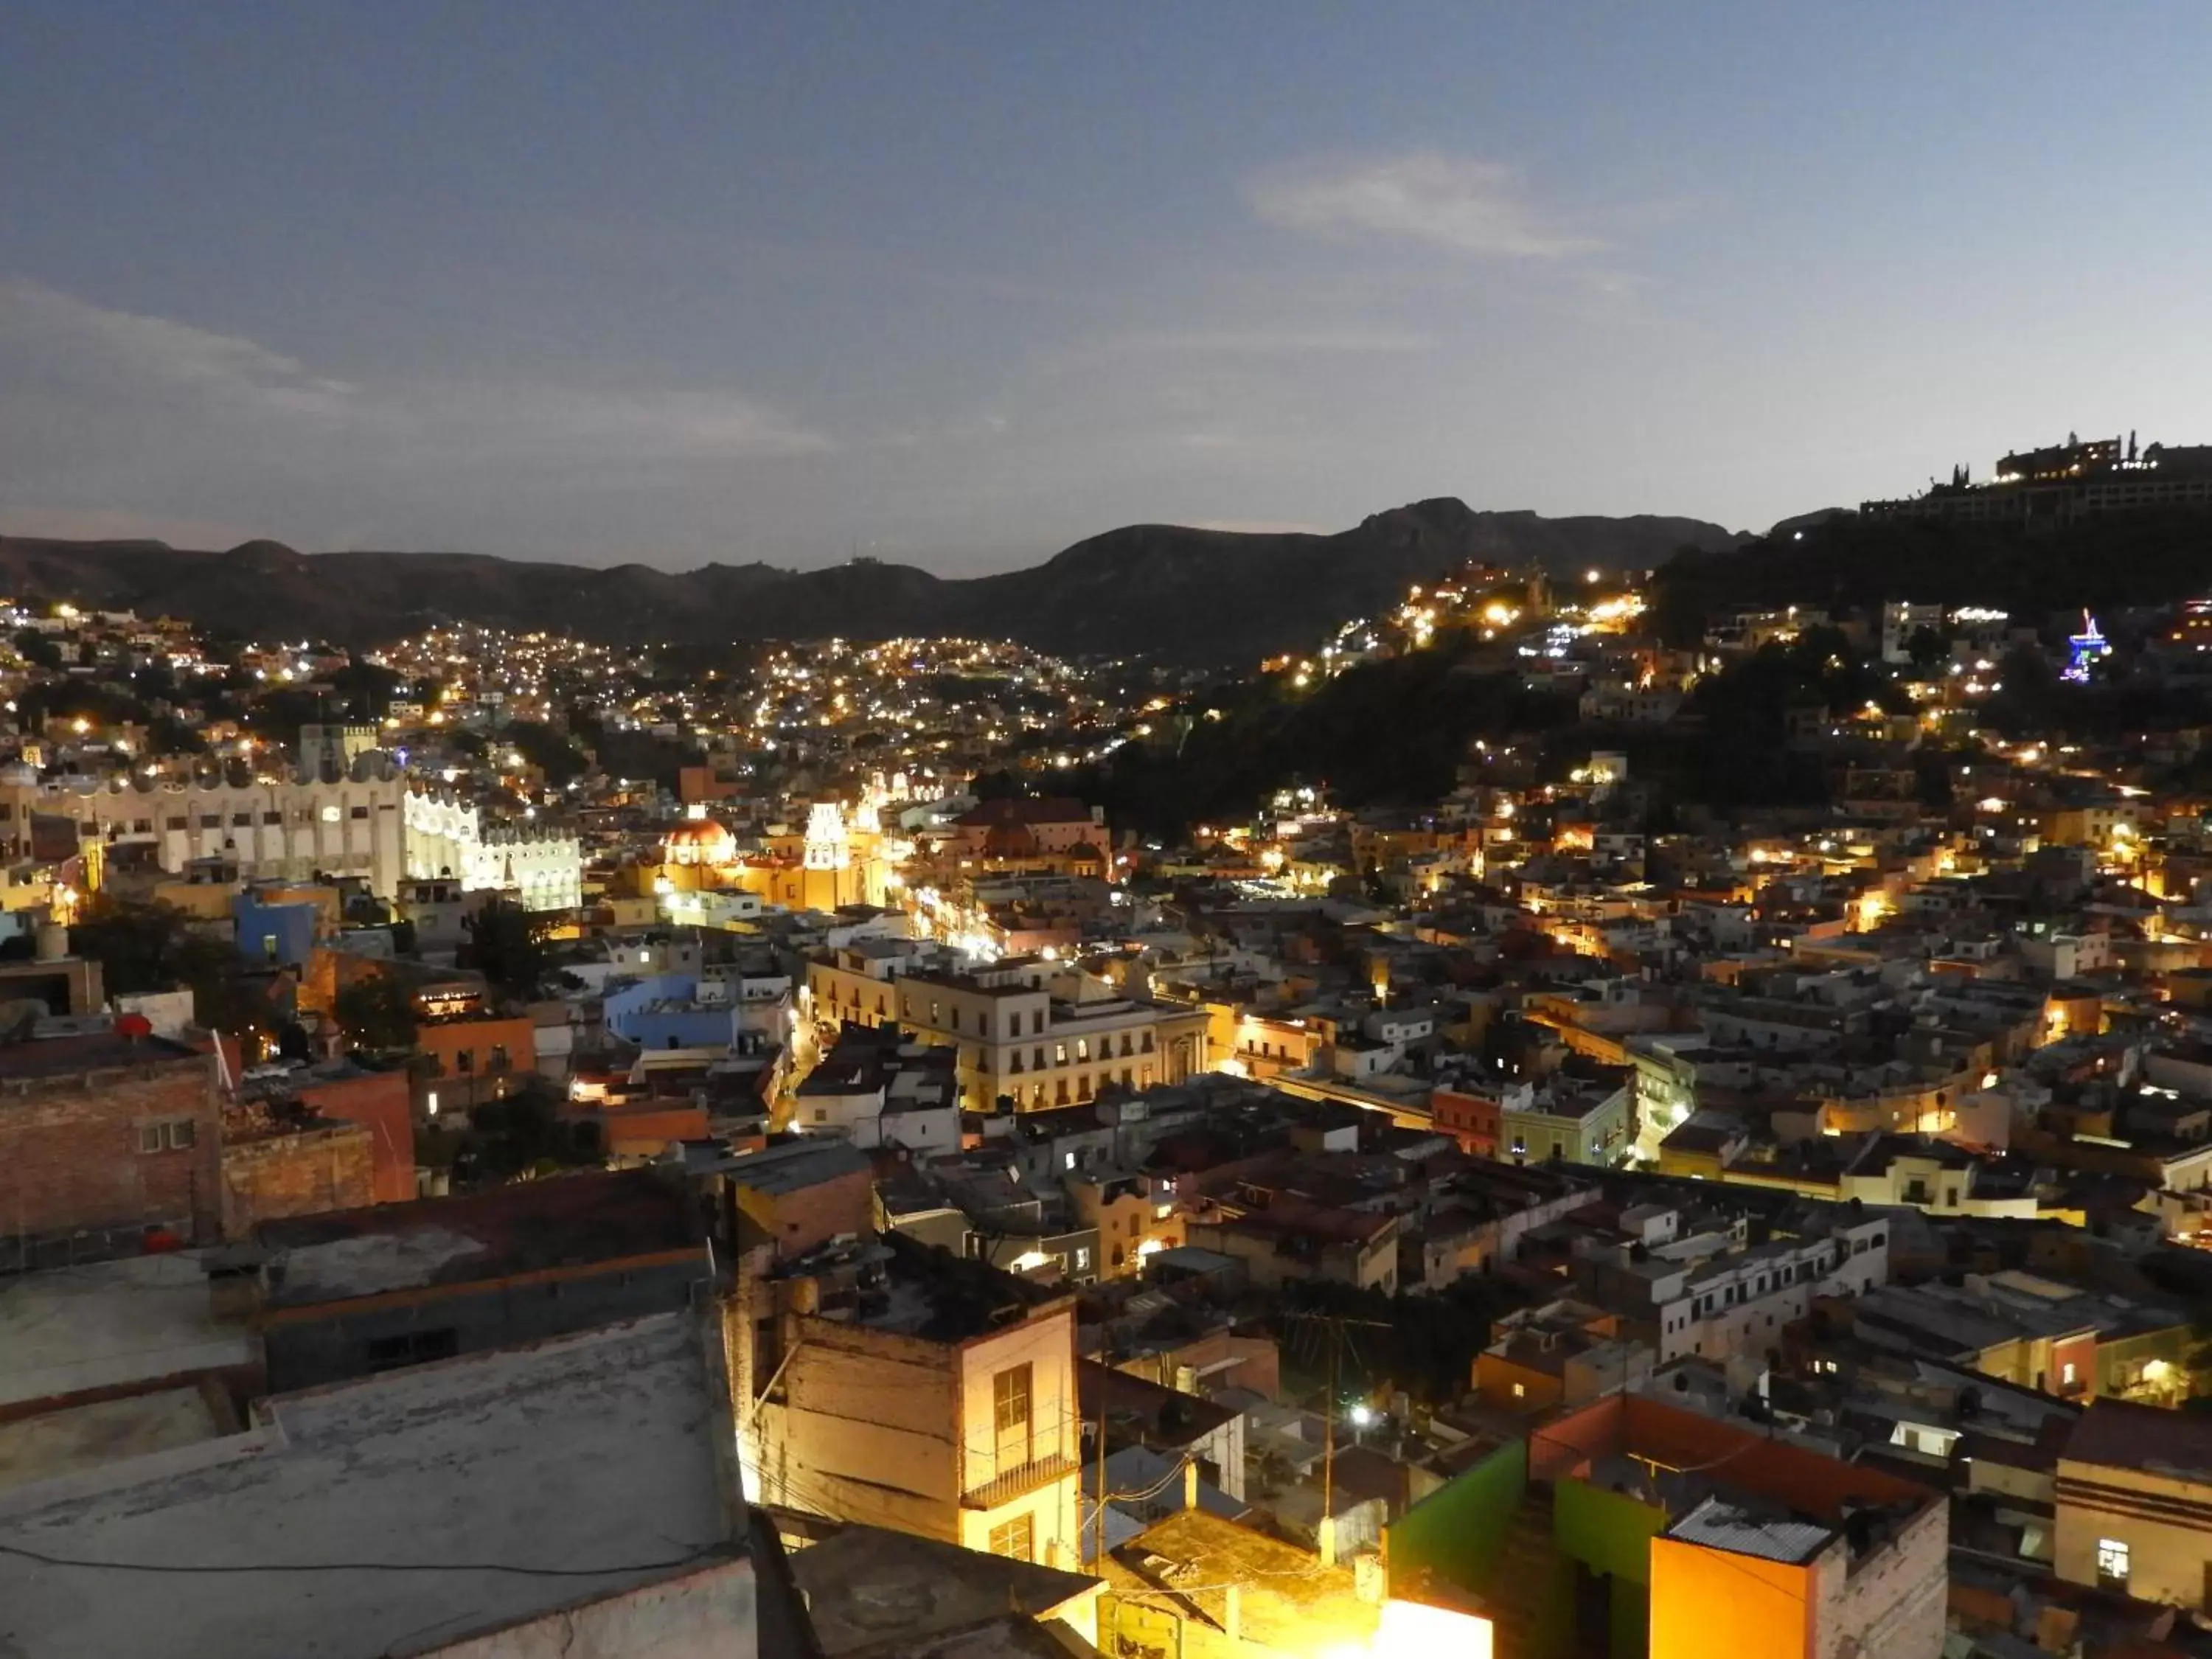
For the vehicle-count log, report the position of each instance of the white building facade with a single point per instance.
(364, 821)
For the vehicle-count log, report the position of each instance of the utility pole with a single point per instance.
(1098, 1459)
(1335, 1330)
(1328, 1461)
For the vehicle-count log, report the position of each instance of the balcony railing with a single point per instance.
(1010, 1484)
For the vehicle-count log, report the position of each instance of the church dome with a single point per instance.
(700, 842)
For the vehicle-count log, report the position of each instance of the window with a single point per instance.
(359, 812)
(466, 1061)
(142, 826)
(1082, 1258)
(330, 815)
(2113, 1563)
(1010, 1398)
(1082, 1047)
(1059, 1053)
(1147, 1042)
(210, 820)
(1520, 1390)
(239, 820)
(1014, 1538)
(2066, 1374)
(176, 1134)
(272, 817)
(386, 1354)
(176, 821)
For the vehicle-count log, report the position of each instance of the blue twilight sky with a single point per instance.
(961, 282)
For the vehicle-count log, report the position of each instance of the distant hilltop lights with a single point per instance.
(2059, 483)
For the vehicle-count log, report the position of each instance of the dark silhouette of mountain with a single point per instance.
(1847, 562)
(1200, 595)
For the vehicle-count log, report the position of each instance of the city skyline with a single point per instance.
(960, 287)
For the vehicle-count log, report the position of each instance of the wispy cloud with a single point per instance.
(111, 368)
(1477, 208)
(56, 336)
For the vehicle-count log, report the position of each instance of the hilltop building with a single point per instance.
(2061, 482)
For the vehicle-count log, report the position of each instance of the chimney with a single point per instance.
(1190, 1483)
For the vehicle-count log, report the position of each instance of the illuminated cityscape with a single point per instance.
(849, 954)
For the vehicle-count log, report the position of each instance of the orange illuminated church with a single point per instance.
(829, 865)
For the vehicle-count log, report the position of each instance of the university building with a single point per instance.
(359, 818)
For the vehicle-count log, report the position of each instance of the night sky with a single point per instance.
(960, 284)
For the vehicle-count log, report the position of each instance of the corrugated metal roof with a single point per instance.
(1721, 1525)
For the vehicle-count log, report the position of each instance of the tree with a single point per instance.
(38, 650)
(139, 947)
(1926, 648)
(376, 1013)
(157, 947)
(506, 945)
(547, 750)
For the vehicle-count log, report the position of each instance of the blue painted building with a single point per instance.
(664, 1011)
(273, 934)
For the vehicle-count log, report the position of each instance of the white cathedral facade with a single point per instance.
(359, 816)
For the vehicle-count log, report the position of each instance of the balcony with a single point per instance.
(1019, 1481)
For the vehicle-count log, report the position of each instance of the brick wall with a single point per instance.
(302, 1172)
(799, 1220)
(70, 1157)
(383, 1104)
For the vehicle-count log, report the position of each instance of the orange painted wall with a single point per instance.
(381, 1102)
(1495, 1376)
(646, 1131)
(445, 1042)
(1707, 1602)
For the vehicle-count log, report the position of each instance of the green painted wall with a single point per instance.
(1605, 1531)
(1612, 1534)
(1457, 1533)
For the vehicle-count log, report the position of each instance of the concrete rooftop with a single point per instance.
(596, 1454)
(108, 1325)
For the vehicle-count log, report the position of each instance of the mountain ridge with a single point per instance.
(1182, 592)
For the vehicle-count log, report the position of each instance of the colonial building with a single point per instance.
(1021, 1043)
(831, 864)
(544, 869)
(362, 819)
